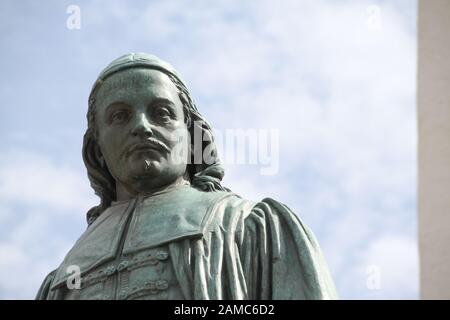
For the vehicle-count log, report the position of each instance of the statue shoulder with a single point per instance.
(44, 290)
(276, 217)
(294, 253)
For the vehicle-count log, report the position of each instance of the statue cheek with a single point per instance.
(112, 139)
(111, 154)
(177, 135)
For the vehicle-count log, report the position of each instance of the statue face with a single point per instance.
(140, 123)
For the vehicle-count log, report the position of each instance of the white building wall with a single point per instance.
(434, 147)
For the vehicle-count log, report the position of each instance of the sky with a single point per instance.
(335, 80)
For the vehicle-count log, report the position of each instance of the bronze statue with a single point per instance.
(168, 229)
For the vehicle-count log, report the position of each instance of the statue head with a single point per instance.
(140, 135)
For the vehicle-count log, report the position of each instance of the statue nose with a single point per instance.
(142, 127)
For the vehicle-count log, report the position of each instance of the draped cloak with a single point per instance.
(221, 246)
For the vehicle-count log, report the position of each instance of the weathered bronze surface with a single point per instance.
(166, 228)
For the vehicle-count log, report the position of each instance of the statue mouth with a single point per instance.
(149, 145)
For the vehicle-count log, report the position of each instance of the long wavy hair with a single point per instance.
(203, 176)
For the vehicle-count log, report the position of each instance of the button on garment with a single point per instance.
(124, 253)
(139, 274)
(145, 275)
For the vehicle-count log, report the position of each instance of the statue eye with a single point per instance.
(119, 117)
(162, 113)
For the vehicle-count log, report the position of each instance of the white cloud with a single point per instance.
(397, 258)
(22, 270)
(386, 269)
(34, 180)
(342, 95)
(43, 206)
(14, 256)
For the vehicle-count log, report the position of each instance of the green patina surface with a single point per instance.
(166, 228)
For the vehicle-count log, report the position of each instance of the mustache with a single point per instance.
(149, 143)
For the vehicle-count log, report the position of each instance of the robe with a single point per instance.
(221, 246)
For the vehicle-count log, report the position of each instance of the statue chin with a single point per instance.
(148, 174)
(144, 169)
(144, 174)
